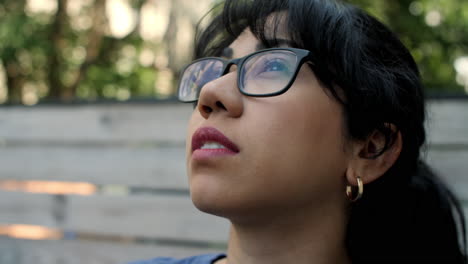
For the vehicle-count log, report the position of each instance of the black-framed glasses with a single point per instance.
(267, 72)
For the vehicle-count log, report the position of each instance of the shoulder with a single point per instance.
(200, 259)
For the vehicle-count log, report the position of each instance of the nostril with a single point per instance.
(207, 109)
(220, 105)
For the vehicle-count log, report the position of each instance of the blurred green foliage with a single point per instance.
(63, 55)
(435, 31)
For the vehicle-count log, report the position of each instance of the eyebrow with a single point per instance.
(228, 52)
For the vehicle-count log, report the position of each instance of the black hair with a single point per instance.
(408, 215)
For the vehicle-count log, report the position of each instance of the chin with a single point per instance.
(216, 199)
(213, 206)
(207, 196)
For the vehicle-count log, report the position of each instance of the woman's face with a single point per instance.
(289, 151)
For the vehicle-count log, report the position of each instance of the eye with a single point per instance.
(268, 72)
(271, 67)
(275, 65)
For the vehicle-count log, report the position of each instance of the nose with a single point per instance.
(221, 96)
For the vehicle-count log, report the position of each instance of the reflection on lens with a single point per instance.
(268, 72)
(196, 76)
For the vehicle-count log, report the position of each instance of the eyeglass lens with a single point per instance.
(196, 76)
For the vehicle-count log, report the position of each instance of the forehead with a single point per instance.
(248, 43)
(245, 44)
(274, 30)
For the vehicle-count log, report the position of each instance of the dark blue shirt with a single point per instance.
(201, 259)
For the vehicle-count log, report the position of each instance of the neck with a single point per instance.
(290, 238)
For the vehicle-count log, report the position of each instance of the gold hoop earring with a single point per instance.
(349, 190)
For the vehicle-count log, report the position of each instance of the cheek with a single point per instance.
(299, 147)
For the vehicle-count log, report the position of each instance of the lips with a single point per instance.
(210, 135)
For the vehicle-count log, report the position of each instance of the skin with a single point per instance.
(284, 192)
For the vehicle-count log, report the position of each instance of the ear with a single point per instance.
(370, 158)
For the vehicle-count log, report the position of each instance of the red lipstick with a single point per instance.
(205, 136)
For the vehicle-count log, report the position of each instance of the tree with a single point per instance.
(69, 50)
(61, 54)
(435, 32)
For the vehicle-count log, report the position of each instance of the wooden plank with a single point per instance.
(16, 251)
(152, 216)
(162, 167)
(95, 123)
(452, 167)
(447, 123)
(145, 216)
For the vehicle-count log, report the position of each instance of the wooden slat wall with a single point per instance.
(16, 251)
(134, 154)
(447, 150)
(160, 216)
(137, 165)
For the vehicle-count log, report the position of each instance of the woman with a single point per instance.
(306, 135)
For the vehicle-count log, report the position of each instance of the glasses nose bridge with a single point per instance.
(229, 63)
